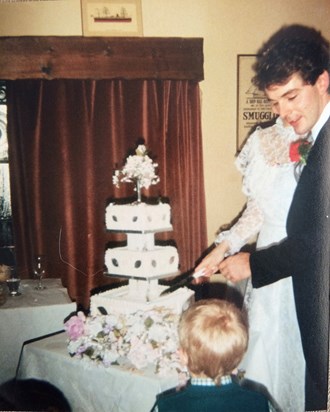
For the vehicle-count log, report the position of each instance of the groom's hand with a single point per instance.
(236, 267)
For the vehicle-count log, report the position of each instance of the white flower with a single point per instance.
(138, 353)
(158, 333)
(110, 357)
(74, 345)
(138, 168)
(94, 327)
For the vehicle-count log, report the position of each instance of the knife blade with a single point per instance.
(183, 282)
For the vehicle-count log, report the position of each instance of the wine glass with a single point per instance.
(39, 270)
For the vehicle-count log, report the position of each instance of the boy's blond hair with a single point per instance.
(213, 335)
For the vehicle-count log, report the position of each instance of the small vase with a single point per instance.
(138, 191)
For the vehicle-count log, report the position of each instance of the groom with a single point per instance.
(293, 70)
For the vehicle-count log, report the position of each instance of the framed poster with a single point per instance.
(253, 106)
(111, 17)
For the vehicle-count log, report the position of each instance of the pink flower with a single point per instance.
(138, 353)
(75, 326)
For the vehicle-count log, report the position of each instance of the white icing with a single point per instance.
(159, 262)
(141, 261)
(140, 241)
(122, 300)
(139, 217)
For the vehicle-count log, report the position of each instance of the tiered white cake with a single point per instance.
(143, 262)
(140, 327)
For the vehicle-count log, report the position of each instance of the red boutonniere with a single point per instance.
(299, 151)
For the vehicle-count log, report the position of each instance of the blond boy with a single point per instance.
(213, 338)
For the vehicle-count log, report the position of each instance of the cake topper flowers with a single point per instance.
(138, 169)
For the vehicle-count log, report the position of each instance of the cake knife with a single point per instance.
(183, 282)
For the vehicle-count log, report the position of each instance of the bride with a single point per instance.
(274, 356)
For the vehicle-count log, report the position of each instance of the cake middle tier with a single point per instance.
(138, 217)
(160, 262)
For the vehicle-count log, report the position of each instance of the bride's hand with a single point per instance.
(210, 264)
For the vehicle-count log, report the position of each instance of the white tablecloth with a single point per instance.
(88, 386)
(33, 314)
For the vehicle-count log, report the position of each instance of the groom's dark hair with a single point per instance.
(293, 49)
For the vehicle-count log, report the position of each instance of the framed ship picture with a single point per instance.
(111, 17)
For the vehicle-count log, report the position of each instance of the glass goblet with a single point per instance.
(39, 270)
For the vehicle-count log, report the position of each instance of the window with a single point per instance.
(6, 233)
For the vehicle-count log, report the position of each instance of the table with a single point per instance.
(87, 385)
(35, 313)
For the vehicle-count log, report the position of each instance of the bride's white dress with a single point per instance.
(274, 357)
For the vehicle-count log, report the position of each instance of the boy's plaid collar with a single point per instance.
(225, 380)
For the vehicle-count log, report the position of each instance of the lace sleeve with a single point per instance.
(261, 161)
(251, 220)
(244, 229)
(265, 151)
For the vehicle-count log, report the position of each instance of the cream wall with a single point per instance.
(40, 18)
(229, 27)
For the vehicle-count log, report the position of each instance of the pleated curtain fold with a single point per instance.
(66, 137)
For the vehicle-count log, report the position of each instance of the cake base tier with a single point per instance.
(128, 300)
(143, 276)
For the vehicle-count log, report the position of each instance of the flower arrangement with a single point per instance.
(144, 339)
(299, 150)
(139, 169)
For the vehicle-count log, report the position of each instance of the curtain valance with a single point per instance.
(101, 58)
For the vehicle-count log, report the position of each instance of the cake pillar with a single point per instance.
(138, 190)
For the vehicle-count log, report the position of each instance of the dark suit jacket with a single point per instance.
(227, 398)
(305, 255)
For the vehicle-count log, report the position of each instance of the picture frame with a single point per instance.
(253, 106)
(111, 17)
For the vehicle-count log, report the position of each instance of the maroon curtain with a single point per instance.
(65, 139)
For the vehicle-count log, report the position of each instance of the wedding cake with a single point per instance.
(135, 326)
(142, 261)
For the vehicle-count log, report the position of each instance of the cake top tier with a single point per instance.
(138, 217)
